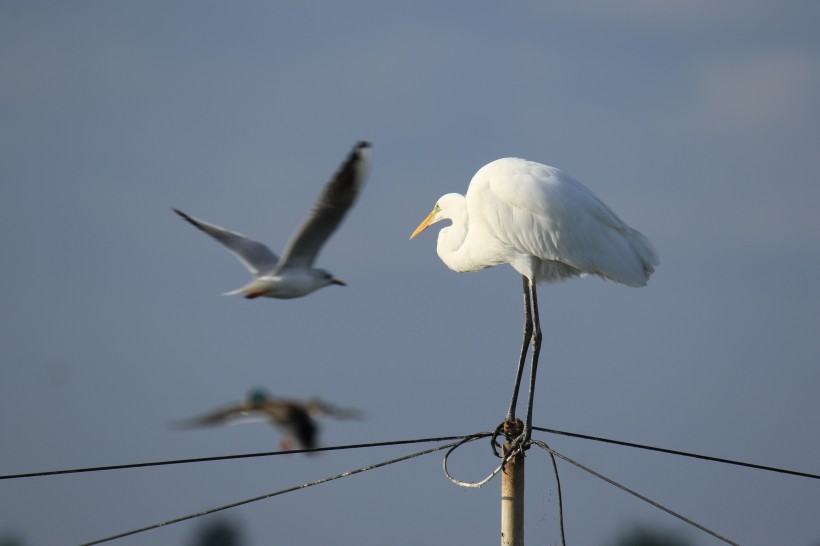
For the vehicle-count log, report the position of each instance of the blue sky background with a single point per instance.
(697, 122)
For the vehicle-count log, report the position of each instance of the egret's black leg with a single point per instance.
(536, 349)
(524, 347)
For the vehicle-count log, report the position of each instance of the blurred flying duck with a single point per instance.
(295, 419)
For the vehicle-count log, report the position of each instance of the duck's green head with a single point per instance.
(258, 397)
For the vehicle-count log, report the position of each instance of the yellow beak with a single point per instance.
(425, 223)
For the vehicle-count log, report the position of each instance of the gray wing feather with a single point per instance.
(329, 210)
(257, 257)
(319, 408)
(216, 417)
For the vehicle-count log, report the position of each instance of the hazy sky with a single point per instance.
(698, 122)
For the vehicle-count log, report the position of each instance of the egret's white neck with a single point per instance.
(450, 246)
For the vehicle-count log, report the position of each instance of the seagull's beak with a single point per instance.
(425, 223)
(337, 281)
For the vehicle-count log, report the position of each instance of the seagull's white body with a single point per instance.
(287, 283)
(293, 275)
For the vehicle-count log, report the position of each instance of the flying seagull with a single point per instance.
(293, 275)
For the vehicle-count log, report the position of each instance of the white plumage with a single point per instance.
(293, 275)
(548, 227)
(544, 223)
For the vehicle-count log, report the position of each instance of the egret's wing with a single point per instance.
(228, 414)
(330, 208)
(544, 212)
(257, 257)
(597, 241)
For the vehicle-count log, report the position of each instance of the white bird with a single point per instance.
(548, 227)
(293, 275)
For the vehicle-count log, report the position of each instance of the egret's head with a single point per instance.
(446, 206)
(434, 216)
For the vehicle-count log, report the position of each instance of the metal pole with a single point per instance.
(512, 492)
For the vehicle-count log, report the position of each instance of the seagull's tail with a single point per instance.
(253, 289)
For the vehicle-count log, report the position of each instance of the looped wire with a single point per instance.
(472, 438)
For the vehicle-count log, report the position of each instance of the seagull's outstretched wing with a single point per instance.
(329, 210)
(257, 257)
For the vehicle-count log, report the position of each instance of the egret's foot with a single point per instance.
(494, 440)
(513, 428)
(517, 435)
(521, 441)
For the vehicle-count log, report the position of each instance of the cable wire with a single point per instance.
(543, 445)
(681, 453)
(402, 442)
(224, 457)
(269, 495)
(467, 440)
(462, 439)
(635, 493)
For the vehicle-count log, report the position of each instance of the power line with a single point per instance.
(403, 442)
(552, 453)
(681, 453)
(693, 523)
(269, 495)
(452, 446)
(560, 495)
(224, 457)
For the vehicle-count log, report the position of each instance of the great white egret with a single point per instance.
(548, 227)
(293, 275)
(296, 419)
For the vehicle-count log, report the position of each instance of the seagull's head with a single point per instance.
(326, 278)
